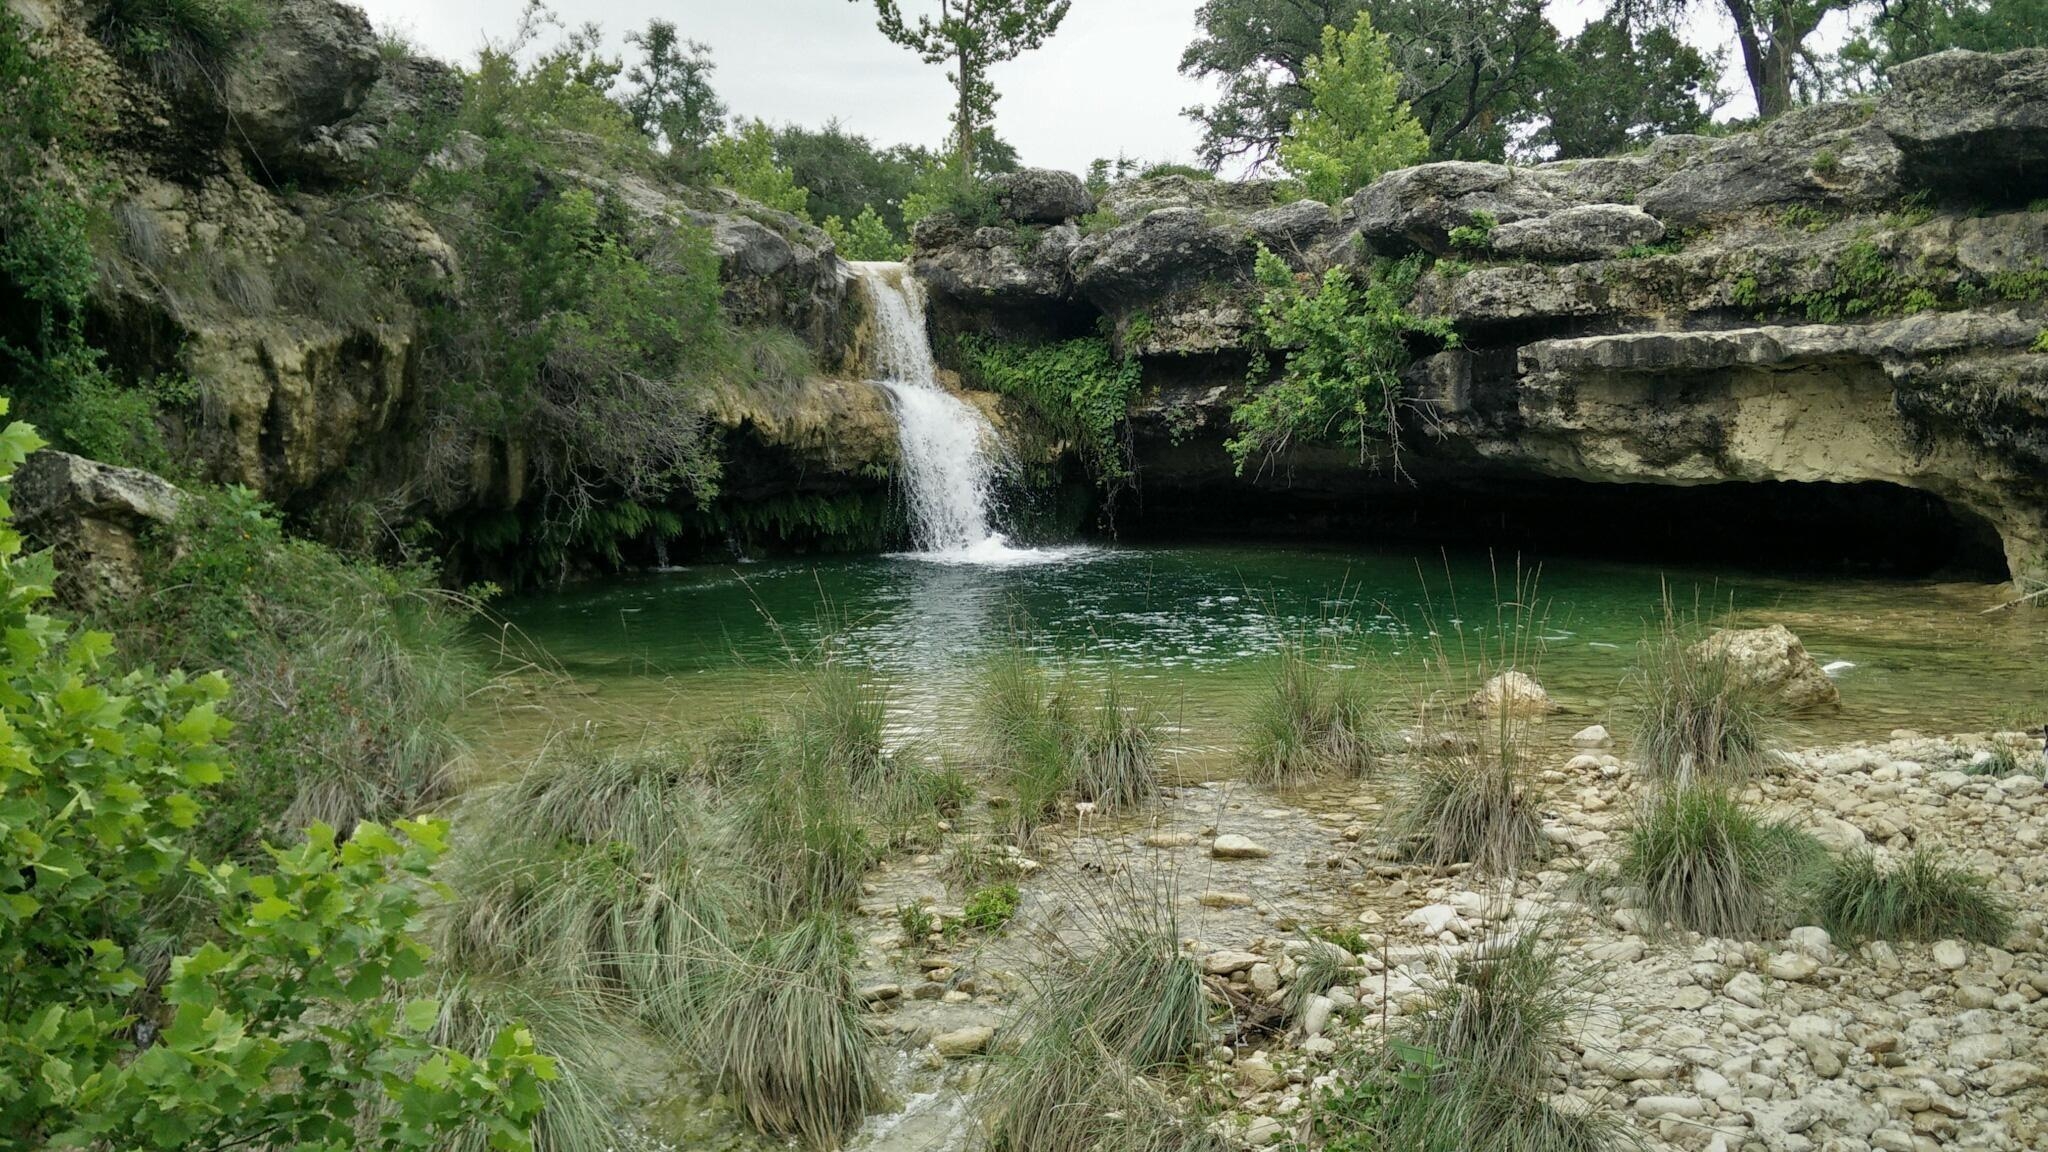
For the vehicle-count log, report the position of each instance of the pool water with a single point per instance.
(1195, 628)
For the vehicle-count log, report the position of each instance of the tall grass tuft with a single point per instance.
(1707, 864)
(1473, 1067)
(1126, 1003)
(1695, 717)
(1920, 899)
(1320, 968)
(1465, 800)
(580, 1107)
(1311, 722)
(1048, 743)
(786, 1037)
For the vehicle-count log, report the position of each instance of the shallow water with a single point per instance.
(1195, 628)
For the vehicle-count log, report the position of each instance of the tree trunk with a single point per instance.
(963, 120)
(1768, 65)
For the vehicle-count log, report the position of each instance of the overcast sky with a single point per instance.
(1108, 83)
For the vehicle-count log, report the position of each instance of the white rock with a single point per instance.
(1228, 961)
(1514, 693)
(1791, 966)
(1812, 941)
(1316, 1016)
(1592, 738)
(1746, 989)
(1263, 1130)
(1436, 919)
(1235, 847)
(1951, 954)
(1265, 978)
(1685, 1106)
(964, 1041)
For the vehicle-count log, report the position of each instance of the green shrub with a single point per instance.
(1477, 235)
(1185, 171)
(349, 674)
(974, 863)
(1707, 865)
(1311, 722)
(1920, 899)
(1081, 388)
(168, 34)
(990, 908)
(917, 923)
(1342, 347)
(102, 783)
(1471, 1070)
(865, 237)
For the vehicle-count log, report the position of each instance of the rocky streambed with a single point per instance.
(1782, 1045)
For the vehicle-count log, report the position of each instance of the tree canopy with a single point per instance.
(972, 35)
(1356, 126)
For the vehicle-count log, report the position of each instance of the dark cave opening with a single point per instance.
(1778, 526)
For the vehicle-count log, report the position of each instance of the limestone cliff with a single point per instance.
(259, 248)
(1846, 302)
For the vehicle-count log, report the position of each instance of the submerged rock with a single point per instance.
(1513, 694)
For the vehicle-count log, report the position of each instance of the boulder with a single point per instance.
(1515, 694)
(1234, 847)
(1588, 232)
(1831, 154)
(987, 264)
(1169, 249)
(311, 65)
(1416, 208)
(92, 516)
(1042, 196)
(961, 1042)
(1970, 124)
(1774, 660)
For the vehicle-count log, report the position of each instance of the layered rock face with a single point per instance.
(253, 256)
(1849, 296)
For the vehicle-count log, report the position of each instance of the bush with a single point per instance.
(174, 34)
(350, 674)
(1039, 742)
(1119, 754)
(1472, 1069)
(1311, 722)
(990, 908)
(1185, 171)
(1342, 348)
(1920, 899)
(1706, 864)
(1696, 717)
(101, 787)
(1080, 387)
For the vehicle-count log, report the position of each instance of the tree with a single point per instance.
(1616, 85)
(1905, 29)
(671, 99)
(1356, 126)
(973, 35)
(865, 238)
(744, 161)
(1471, 70)
(289, 1027)
(1771, 36)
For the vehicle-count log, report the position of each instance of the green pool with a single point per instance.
(1194, 627)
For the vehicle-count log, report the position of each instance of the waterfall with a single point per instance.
(950, 452)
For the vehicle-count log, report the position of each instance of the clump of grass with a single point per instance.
(1694, 715)
(1920, 899)
(791, 1048)
(600, 873)
(990, 908)
(1465, 801)
(1046, 747)
(1320, 968)
(1124, 1004)
(917, 923)
(1119, 755)
(582, 1106)
(804, 827)
(1706, 863)
(1311, 722)
(848, 714)
(975, 863)
(1472, 1069)
(2004, 761)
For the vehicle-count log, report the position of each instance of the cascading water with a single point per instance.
(951, 458)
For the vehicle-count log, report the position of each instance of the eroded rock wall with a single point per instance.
(1853, 294)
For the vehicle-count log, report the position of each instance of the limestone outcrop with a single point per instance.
(93, 517)
(1849, 299)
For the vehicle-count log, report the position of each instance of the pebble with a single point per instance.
(1225, 900)
(1171, 840)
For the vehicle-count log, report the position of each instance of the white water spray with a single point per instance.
(951, 457)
